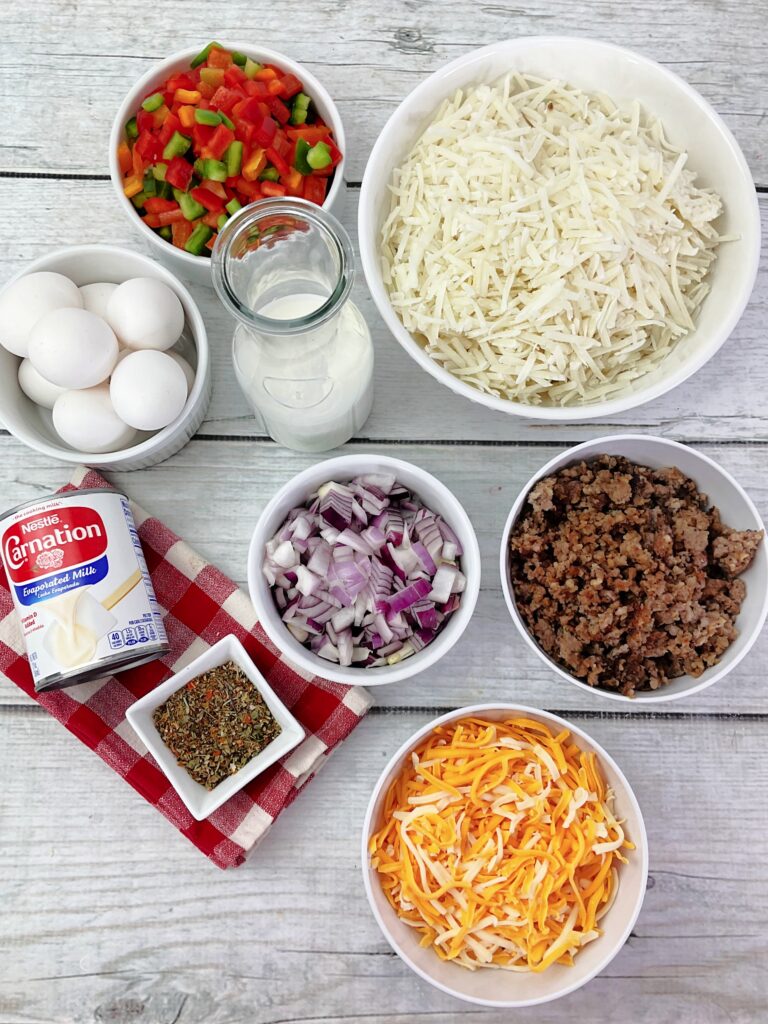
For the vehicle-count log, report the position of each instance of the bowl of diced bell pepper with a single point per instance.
(204, 133)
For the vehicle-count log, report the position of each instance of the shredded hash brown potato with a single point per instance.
(546, 246)
(499, 844)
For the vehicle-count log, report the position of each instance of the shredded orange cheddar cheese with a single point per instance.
(499, 844)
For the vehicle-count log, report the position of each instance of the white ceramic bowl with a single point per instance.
(201, 801)
(625, 76)
(435, 496)
(512, 988)
(198, 268)
(738, 512)
(86, 264)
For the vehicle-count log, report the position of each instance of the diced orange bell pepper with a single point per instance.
(170, 217)
(312, 133)
(187, 116)
(187, 96)
(254, 165)
(265, 74)
(159, 115)
(132, 186)
(124, 158)
(219, 58)
(206, 91)
(212, 220)
(293, 181)
(138, 164)
(180, 232)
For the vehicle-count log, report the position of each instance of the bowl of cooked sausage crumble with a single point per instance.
(636, 567)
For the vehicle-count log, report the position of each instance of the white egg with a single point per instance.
(148, 389)
(37, 387)
(96, 297)
(87, 421)
(189, 373)
(25, 301)
(145, 313)
(73, 348)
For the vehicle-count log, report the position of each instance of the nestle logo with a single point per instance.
(41, 545)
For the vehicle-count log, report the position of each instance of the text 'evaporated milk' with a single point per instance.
(80, 586)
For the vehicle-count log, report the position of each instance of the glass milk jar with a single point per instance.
(302, 352)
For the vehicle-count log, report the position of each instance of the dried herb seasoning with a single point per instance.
(215, 724)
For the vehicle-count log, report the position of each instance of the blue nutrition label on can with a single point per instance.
(141, 633)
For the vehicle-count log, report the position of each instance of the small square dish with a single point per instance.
(201, 801)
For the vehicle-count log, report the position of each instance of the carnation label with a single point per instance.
(81, 587)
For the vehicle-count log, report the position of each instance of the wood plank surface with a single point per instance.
(409, 403)
(213, 491)
(108, 916)
(369, 55)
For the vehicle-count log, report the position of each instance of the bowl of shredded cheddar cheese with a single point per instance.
(504, 855)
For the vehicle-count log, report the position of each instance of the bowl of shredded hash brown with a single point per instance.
(505, 855)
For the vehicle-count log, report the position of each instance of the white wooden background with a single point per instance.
(105, 913)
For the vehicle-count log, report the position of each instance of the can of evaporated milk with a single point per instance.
(80, 586)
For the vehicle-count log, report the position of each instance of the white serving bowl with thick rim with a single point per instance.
(511, 989)
(198, 268)
(434, 494)
(691, 123)
(738, 511)
(33, 425)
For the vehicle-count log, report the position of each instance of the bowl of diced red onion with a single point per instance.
(364, 569)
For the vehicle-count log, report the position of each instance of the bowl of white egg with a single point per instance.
(103, 358)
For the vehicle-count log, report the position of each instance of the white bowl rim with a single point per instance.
(367, 235)
(644, 697)
(640, 841)
(349, 466)
(200, 337)
(168, 64)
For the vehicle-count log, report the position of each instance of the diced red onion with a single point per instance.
(364, 574)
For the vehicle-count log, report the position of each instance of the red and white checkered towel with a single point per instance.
(200, 606)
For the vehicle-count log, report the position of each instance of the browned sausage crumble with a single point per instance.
(625, 576)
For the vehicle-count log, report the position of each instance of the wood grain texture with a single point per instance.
(109, 916)
(369, 55)
(408, 402)
(225, 485)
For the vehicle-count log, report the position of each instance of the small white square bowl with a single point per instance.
(201, 801)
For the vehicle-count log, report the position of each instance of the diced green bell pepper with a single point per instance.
(198, 238)
(189, 206)
(233, 206)
(239, 58)
(251, 68)
(153, 102)
(212, 117)
(203, 55)
(300, 161)
(163, 190)
(234, 158)
(132, 129)
(177, 145)
(139, 199)
(300, 108)
(150, 185)
(158, 171)
(222, 221)
(319, 156)
(215, 170)
(225, 120)
(166, 233)
(269, 174)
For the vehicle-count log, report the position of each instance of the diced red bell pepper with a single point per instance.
(201, 133)
(234, 76)
(264, 131)
(144, 120)
(314, 189)
(311, 133)
(148, 146)
(214, 186)
(282, 144)
(154, 204)
(181, 81)
(252, 110)
(282, 165)
(211, 220)
(152, 220)
(218, 143)
(244, 132)
(206, 89)
(225, 99)
(256, 88)
(291, 85)
(326, 172)
(181, 230)
(179, 173)
(271, 188)
(170, 217)
(171, 124)
(278, 109)
(210, 201)
(250, 189)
